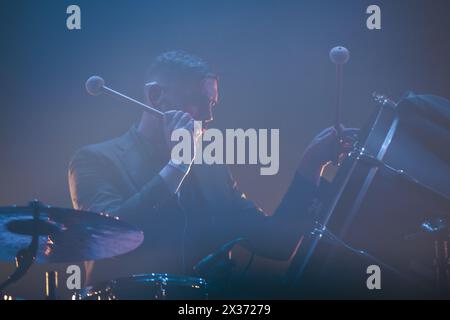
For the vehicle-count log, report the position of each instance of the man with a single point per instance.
(186, 211)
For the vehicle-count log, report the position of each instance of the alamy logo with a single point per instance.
(374, 20)
(235, 146)
(374, 280)
(73, 21)
(74, 279)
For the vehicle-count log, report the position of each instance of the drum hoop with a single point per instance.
(370, 176)
(298, 273)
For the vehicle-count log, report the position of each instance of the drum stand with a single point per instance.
(51, 285)
(321, 231)
(442, 265)
(25, 257)
(439, 231)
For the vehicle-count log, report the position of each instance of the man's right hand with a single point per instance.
(174, 172)
(174, 120)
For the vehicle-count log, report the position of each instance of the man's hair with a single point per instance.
(177, 65)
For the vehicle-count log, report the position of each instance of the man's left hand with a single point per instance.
(325, 147)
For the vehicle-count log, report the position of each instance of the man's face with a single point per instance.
(197, 99)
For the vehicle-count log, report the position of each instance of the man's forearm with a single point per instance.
(292, 218)
(154, 194)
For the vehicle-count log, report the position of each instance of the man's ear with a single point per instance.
(153, 92)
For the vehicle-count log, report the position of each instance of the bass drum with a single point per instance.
(147, 287)
(373, 235)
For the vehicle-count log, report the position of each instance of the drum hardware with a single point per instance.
(441, 261)
(51, 285)
(371, 175)
(27, 255)
(147, 287)
(438, 231)
(320, 231)
(217, 268)
(7, 297)
(60, 235)
(384, 100)
(212, 259)
(64, 235)
(363, 156)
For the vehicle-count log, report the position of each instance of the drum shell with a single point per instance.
(375, 210)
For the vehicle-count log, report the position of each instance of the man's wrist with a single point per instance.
(183, 167)
(173, 174)
(312, 174)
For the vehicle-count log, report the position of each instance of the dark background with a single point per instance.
(272, 58)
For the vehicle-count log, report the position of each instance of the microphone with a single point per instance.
(216, 256)
(95, 86)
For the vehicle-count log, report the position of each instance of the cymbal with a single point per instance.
(65, 235)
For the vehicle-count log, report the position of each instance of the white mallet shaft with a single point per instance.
(95, 85)
(339, 56)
